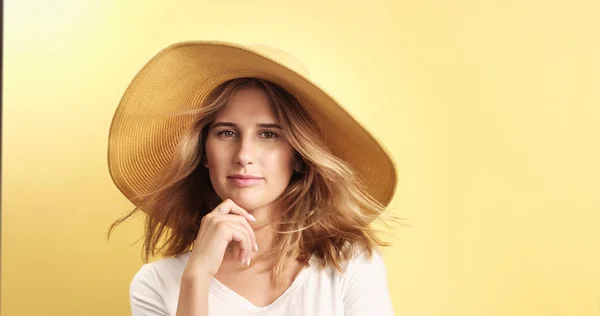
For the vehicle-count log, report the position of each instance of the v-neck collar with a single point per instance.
(228, 294)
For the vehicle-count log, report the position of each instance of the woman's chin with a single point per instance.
(248, 204)
(249, 200)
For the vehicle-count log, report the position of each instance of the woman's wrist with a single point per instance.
(196, 274)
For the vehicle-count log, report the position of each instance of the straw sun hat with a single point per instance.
(145, 129)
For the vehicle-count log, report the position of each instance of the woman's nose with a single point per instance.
(246, 152)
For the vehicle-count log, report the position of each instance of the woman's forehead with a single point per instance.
(250, 104)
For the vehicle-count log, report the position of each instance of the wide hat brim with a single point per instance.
(145, 128)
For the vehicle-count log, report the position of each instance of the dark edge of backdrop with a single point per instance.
(1, 126)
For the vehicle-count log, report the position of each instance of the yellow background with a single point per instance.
(491, 108)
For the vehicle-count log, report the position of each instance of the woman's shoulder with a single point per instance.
(162, 273)
(363, 268)
(364, 258)
(361, 263)
(168, 264)
(154, 285)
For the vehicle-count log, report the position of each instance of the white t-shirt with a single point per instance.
(361, 289)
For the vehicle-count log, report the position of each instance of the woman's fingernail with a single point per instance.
(249, 262)
(252, 217)
(256, 247)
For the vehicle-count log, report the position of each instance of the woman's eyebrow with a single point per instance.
(263, 125)
(269, 125)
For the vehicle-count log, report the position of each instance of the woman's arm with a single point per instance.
(193, 294)
(227, 223)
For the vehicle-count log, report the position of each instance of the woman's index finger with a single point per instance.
(229, 207)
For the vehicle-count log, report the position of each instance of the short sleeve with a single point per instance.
(145, 299)
(365, 286)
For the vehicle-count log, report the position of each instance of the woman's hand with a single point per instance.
(226, 223)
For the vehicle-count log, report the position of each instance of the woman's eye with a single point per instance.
(226, 133)
(269, 135)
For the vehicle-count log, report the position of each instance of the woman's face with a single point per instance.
(248, 158)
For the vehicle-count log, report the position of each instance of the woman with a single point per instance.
(258, 187)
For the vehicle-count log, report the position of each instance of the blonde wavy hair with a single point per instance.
(327, 212)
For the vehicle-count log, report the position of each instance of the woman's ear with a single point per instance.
(204, 161)
(299, 165)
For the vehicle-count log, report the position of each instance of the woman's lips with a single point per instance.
(244, 181)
